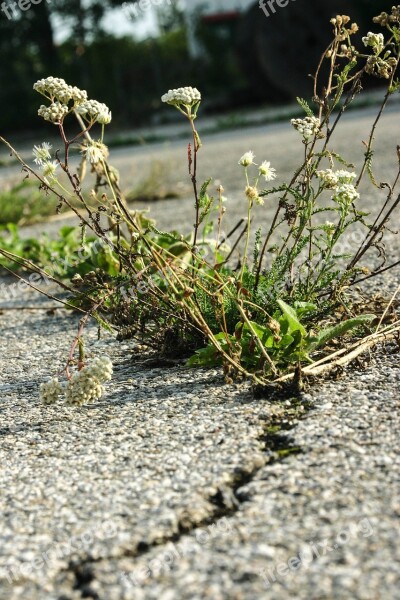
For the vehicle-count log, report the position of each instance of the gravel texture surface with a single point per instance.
(175, 486)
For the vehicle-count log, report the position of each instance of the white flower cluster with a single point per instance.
(54, 113)
(55, 88)
(95, 111)
(341, 182)
(334, 178)
(375, 41)
(43, 159)
(85, 386)
(50, 391)
(184, 95)
(307, 127)
(346, 194)
(60, 94)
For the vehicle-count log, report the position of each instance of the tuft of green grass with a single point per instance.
(23, 203)
(154, 186)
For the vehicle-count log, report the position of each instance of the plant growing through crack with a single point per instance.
(271, 314)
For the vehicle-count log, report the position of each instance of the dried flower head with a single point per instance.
(382, 19)
(374, 40)
(381, 67)
(252, 195)
(95, 153)
(385, 20)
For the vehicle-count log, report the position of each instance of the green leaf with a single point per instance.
(205, 201)
(209, 356)
(303, 308)
(291, 317)
(263, 333)
(337, 330)
(102, 322)
(304, 105)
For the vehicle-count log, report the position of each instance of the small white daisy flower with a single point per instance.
(49, 170)
(42, 153)
(267, 171)
(247, 159)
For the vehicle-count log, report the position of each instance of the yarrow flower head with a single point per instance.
(55, 88)
(187, 96)
(345, 176)
(308, 126)
(267, 171)
(332, 179)
(61, 94)
(247, 159)
(92, 110)
(375, 40)
(54, 113)
(50, 391)
(86, 385)
(42, 153)
(345, 194)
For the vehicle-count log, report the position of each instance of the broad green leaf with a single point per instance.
(291, 316)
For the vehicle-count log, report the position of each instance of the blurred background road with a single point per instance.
(249, 61)
(161, 168)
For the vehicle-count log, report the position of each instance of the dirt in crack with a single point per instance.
(84, 576)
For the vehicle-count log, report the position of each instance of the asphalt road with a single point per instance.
(172, 487)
